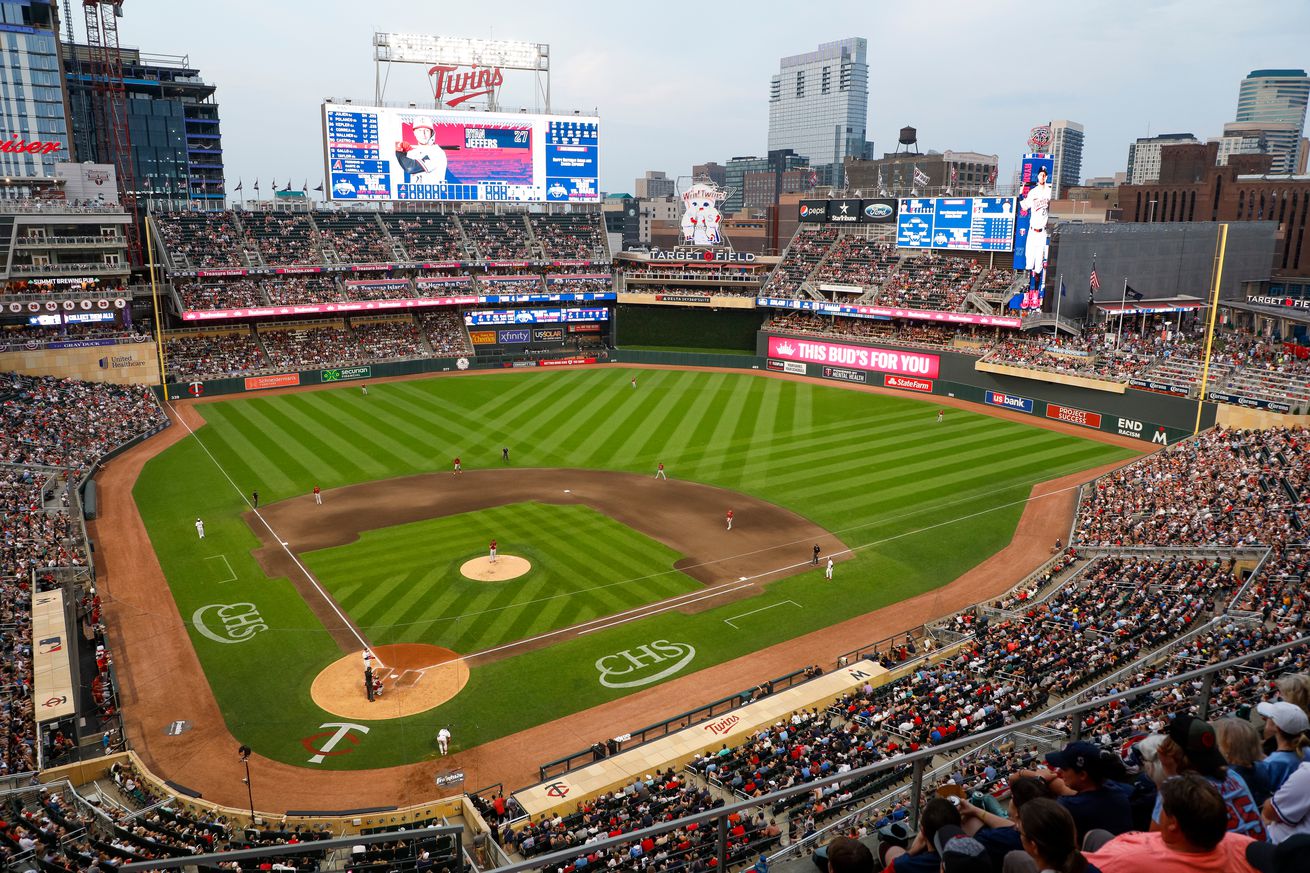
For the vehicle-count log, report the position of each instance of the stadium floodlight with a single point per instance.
(422, 48)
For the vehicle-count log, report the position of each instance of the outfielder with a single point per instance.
(659, 474)
(458, 467)
(423, 161)
(492, 547)
(200, 528)
(318, 495)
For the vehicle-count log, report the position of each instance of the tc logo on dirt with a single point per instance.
(642, 665)
(230, 623)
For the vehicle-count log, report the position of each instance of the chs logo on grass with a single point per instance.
(232, 623)
(642, 665)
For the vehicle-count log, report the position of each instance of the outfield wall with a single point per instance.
(91, 361)
(1146, 415)
(703, 328)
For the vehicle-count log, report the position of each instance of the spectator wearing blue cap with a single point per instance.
(1079, 779)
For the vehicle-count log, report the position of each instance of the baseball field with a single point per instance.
(630, 581)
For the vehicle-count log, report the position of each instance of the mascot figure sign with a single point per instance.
(700, 217)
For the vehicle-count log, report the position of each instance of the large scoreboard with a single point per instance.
(974, 224)
(386, 153)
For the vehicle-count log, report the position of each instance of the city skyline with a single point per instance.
(667, 101)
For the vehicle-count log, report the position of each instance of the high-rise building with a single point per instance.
(177, 149)
(1067, 150)
(655, 183)
(819, 105)
(1244, 138)
(1274, 98)
(777, 162)
(33, 111)
(1144, 156)
(715, 172)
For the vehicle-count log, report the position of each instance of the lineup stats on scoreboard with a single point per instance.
(387, 153)
(972, 224)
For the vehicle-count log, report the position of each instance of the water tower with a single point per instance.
(909, 141)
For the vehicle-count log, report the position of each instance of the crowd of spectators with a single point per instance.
(202, 239)
(858, 261)
(426, 237)
(806, 250)
(1223, 487)
(213, 354)
(355, 237)
(293, 290)
(930, 281)
(446, 332)
(1079, 356)
(499, 237)
(569, 237)
(283, 238)
(388, 338)
(308, 346)
(233, 294)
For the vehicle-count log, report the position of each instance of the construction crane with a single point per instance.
(109, 99)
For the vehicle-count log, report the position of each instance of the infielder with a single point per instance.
(828, 572)
(729, 519)
(443, 740)
(318, 495)
(423, 161)
(504, 455)
(492, 548)
(458, 467)
(659, 474)
(200, 528)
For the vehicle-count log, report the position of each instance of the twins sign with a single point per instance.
(862, 357)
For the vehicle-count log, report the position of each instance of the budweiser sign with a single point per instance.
(16, 143)
(452, 87)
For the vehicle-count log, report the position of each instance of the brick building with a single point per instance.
(1193, 188)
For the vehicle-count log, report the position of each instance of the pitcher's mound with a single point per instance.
(415, 677)
(506, 567)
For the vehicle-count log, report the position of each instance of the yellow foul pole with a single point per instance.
(154, 296)
(1221, 245)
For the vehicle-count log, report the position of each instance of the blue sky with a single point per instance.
(677, 84)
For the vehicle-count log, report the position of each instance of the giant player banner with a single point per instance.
(387, 153)
(1032, 231)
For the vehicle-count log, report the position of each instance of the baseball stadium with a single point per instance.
(459, 521)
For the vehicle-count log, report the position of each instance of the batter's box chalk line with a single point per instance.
(408, 678)
(729, 621)
(232, 576)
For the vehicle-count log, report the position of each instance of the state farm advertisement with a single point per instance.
(863, 357)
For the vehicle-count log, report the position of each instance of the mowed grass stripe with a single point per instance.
(653, 441)
(242, 449)
(344, 465)
(279, 426)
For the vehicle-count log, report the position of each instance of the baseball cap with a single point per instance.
(959, 852)
(1076, 756)
(1198, 740)
(1289, 856)
(1290, 718)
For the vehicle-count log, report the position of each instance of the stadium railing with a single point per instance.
(632, 739)
(919, 762)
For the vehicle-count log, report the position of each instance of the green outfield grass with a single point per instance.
(921, 503)
(402, 584)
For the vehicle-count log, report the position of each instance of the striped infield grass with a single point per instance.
(920, 502)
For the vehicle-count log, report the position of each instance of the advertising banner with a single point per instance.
(683, 298)
(845, 374)
(794, 367)
(564, 362)
(513, 337)
(345, 374)
(281, 380)
(1009, 401)
(392, 153)
(585, 328)
(886, 313)
(1074, 416)
(1249, 402)
(862, 357)
(482, 337)
(814, 211)
(845, 211)
(879, 210)
(534, 316)
(906, 383)
(1160, 387)
(322, 308)
(1031, 234)
(547, 334)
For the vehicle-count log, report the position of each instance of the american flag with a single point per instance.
(1096, 283)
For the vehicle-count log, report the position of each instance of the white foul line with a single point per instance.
(728, 621)
(312, 581)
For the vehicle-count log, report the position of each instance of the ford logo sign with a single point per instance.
(878, 210)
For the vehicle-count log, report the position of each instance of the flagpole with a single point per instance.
(1221, 246)
(1122, 301)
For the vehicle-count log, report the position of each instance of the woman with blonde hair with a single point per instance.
(1240, 743)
